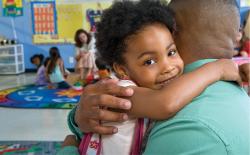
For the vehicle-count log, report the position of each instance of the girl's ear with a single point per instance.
(120, 71)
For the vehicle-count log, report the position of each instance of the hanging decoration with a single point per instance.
(12, 8)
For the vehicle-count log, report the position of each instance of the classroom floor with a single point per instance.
(30, 124)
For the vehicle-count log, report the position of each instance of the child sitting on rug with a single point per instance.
(41, 78)
(55, 69)
(37, 60)
(142, 50)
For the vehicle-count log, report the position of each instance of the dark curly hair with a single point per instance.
(124, 19)
(78, 42)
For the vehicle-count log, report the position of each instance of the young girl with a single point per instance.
(84, 56)
(55, 69)
(41, 78)
(37, 60)
(136, 39)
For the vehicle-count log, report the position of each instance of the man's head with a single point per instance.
(205, 28)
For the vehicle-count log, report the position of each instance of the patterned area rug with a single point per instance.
(29, 147)
(32, 96)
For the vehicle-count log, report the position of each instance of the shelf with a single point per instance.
(11, 59)
(7, 55)
(7, 64)
(10, 55)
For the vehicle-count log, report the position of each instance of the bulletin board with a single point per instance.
(63, 19)
(44, 22)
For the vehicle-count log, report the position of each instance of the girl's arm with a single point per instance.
(78, 54)
(46, 71)
(61, 65)
(166, 102)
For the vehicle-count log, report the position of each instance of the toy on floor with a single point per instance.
(77, 86)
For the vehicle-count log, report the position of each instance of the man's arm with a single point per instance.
(85, 117)
(166, 102)
(88, 112)
(185, 137)
(72, 125)
(245, 72)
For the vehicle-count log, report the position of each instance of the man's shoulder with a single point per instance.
(227, 121)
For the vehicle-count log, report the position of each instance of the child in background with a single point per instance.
(85, 63)
(37, 60)
(55, 69)
(41, 78)
(103, 70)
(140, 48)
(243, 40)
(242, 47)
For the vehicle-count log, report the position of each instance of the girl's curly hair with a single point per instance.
(124, 19)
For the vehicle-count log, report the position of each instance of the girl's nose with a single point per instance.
(167, 68)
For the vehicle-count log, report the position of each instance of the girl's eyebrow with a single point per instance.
(151, 52)
(172, 43)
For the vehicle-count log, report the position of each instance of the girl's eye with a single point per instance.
(172, 52)
(149, 62)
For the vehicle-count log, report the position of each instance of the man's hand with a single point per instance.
(94, 104)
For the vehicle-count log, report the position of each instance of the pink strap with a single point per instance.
(91, 143)
(138, 136)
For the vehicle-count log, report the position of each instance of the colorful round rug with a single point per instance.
(32, 96)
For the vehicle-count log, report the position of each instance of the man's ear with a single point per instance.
(120, 71)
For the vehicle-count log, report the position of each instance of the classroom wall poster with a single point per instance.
(67, 18)
(70, 18)
(12, 8)
(245, 3)
(44, 21)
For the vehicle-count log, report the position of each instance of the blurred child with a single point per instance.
(243, 41)
(41, 78)
(84, 55)
(55, 69)
(37, 60)
(103, 69)
(241, 47)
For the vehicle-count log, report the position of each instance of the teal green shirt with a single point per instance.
(215, 123)
(68, 150)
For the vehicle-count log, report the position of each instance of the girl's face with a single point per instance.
(83, 38)
(151, 57)
(36, 61)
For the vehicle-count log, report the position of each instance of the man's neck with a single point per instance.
(191, 56)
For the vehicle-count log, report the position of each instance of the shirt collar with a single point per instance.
(197, 64)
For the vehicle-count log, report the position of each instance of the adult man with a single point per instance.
(216, 122)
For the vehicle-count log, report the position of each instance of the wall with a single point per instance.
(243, 10)
(23, 28)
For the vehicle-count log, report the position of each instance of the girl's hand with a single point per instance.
(70, 140)
(82, 53)
(228, 69)
(245, 72)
